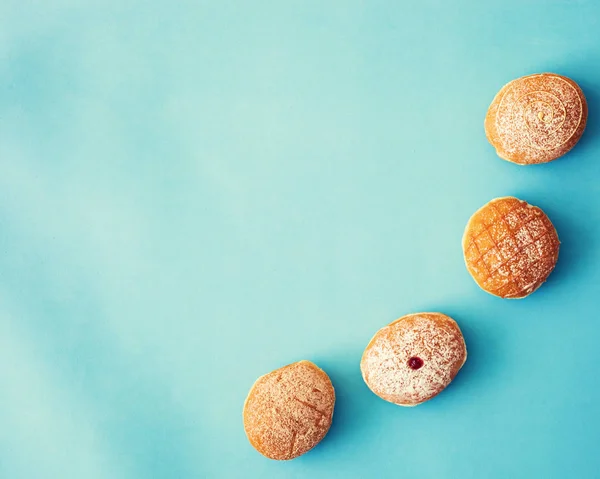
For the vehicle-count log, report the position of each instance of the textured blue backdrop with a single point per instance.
(195, 193)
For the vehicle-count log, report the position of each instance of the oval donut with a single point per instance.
(536, 118)
(289, 411)
(414, 358)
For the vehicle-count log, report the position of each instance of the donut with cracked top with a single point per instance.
(289, 411)
(414, 358)
(510, 247)
(536, 118)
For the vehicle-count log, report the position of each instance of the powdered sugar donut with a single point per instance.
(414, 358)
(289, 411)
(536, 118)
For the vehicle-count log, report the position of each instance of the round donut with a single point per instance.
(289, 411)
(414, 358)
(536, 118)
(510, 247)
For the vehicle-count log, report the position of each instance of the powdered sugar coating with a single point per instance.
(434, 338)
(537, 118)
(289, 411)
(510, 247)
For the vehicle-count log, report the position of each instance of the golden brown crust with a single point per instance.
(414, 358)
(289, 411)
(536, 118)
(510, 247)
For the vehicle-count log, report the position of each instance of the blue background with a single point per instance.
(195, 193)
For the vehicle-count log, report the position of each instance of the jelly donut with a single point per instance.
(288, 411)
(510, 247)
(536, 118)
(414, 358)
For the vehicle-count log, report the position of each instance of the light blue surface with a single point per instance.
(195, 193)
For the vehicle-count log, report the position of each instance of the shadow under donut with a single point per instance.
(591, 135)
(485, 352)
(576, 240)
(576, 243)
(584, 150)
(353, 412)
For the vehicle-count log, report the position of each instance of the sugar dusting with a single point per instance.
(510, 247)
(538, 118)
(434, 338)
(289, 410)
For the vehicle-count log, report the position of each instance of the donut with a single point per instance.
(289, 411)
(414, 358)
(510, 247)
(536, 118)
